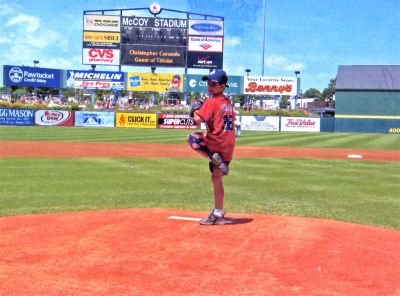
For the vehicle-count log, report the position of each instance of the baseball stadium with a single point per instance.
(107, 200)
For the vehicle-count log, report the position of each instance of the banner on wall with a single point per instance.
(136, 120)
(21, 117)
(300, 124)
(260, 123)
(94, 119)
(263, 85)
(32, 76)
(54, 117)
(176, 121)
(194, 83)
(95, 79)
(157, 82)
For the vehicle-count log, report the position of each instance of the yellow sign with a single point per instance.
(157, 82)
(136, 120)
(102, 37)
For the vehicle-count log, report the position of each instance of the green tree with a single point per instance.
(312, 93)
(330, 90)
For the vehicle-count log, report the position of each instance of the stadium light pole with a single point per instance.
(297, 73)
(248, 71)
(92, 94)
(263, 51)
(35, 62)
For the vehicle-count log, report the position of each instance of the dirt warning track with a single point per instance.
(80, 149)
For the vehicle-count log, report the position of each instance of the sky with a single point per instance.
(310, 36)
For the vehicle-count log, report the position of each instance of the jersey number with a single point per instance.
(228, 122)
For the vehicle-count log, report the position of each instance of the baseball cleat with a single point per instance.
(213, 219)
(218, 162)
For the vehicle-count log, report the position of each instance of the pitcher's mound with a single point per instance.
(144, 252)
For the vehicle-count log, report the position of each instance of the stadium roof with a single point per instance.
(368, 77)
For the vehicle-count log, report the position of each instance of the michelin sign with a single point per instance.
(32, 76)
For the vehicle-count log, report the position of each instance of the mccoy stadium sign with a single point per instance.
(154, 22)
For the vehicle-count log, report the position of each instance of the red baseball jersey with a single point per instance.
(219, 117)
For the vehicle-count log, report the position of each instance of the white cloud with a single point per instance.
(8, 8)
(283, 63)
(29, 23)
(231, 42)
(294, 67)
(4, 40)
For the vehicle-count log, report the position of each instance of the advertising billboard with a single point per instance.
(94, 119)
(260, 123)
(95, 79)
(20, 117)
(32, 76)
(193, 83)
(300, 124)
(101, 40)
(157, 82)
(104, 23)
(176, 121)
(54, 117)
(205, 44)
(136, 120)
(263, 85)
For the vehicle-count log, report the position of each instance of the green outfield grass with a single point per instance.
(362, 192)
(129, 135)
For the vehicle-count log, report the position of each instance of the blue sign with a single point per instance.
(195, 84)
(206, 27)
(94, 119)
(20, 117)
(95, 79)
(32, 76)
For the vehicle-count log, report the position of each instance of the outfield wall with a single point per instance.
(120, 119)
(367, 111)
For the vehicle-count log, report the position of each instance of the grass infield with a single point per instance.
(362, 192)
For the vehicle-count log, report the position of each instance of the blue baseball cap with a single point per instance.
(218, 76)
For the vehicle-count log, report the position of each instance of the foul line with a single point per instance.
(183, 218)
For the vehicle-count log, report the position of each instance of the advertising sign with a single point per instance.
(204, 60)
(21, 117)
(193, 83)
(300, 124)
(146, 55)
(206, 43)
(157, 82)
(136, 120)
(101, 39)
(262, 85)
(206, 27)
(95, 79)
(100, 56)
(54, 117)
(94, 119)
(176, 121)
(260, 123)
(105, 23)
(32, 76)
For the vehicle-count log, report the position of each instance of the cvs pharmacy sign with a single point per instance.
(101, 56)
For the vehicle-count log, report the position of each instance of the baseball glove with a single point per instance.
(195, 106)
